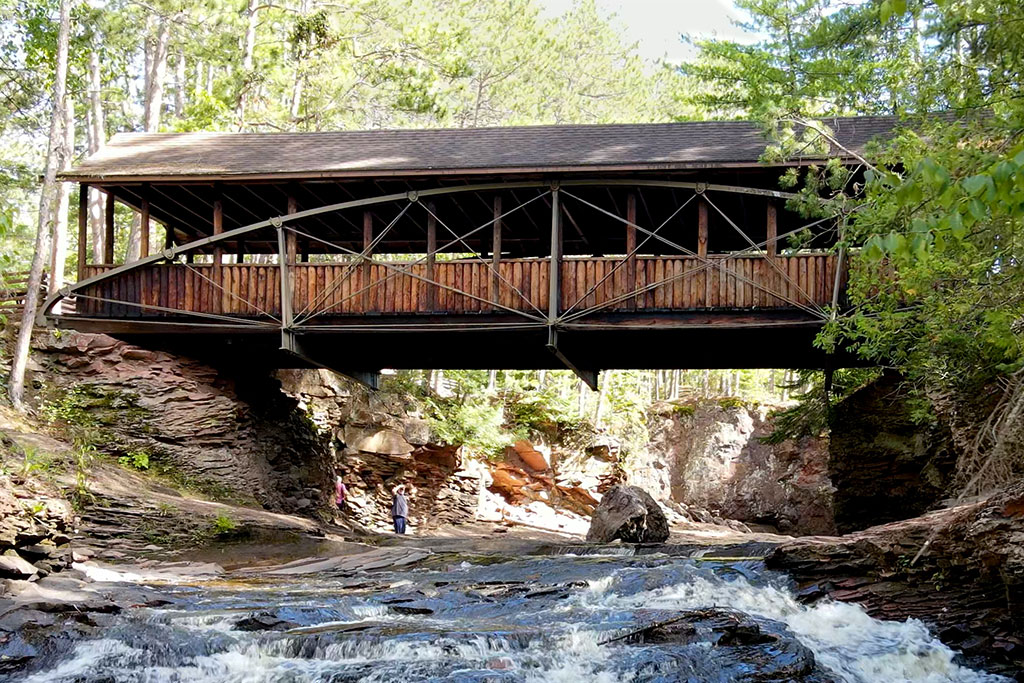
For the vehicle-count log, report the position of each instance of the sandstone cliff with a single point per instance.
(710, 454)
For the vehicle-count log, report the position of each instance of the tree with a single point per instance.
(46, 208)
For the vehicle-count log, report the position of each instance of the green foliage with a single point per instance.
(731, 403)
(224, 527)
(135, 459)
(812, 413)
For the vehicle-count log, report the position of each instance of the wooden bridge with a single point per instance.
(588, 247)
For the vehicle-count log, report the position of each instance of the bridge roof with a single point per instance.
(661, 146)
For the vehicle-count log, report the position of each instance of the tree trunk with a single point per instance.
(134, 247)
(16, 388)
(59, 244)
(96, 134)
(155, 78)
(600, 397)
(180, 84)
(248, 48)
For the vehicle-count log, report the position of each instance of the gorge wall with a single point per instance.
(885, 464)
(237, 438)
(710, 454)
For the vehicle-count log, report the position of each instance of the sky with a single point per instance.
(655, 25)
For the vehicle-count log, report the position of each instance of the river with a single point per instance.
(552, 615)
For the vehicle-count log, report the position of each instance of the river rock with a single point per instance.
(629, 514)
(13, 566)
(968, 584)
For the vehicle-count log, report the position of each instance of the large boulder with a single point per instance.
(628, 513)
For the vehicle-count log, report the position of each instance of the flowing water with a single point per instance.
(550, 617)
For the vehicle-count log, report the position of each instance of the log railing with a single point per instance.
(668, 283)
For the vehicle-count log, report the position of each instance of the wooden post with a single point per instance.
(218, 251)
(108, 230)
(771, 247)
(144, 227)
(702, 247)
(630, 247)
(367, 257)
(83, 228)
(496, 251)
(554, 276)
(431, 257)
(169, 237)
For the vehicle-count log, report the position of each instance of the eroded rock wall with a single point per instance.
(885, 464)
(233, 437)
(710, 454)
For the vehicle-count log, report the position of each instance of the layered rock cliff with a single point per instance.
(231, 437)
(711, 454)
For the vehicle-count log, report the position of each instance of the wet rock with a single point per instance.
(263, 621)
(968, 585)
(629, 514)
(15, 652)
(13, 566)
(764, 650)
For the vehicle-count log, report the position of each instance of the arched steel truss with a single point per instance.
(557, 317)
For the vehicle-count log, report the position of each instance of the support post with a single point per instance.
(555, 268)
(286, 289)
(169, 238)
(771, 247)
(83, 228)
(367, 257)
(218, 250)
(144, 224)
(496, 250)
(431, 258)
(702, 246)
(630, 246)
(108, 230)
(291, 247)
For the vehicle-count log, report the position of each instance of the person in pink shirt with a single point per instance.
(340, 493)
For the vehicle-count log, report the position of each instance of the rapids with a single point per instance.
(474, 618)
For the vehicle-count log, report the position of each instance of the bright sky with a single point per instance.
(657, 24)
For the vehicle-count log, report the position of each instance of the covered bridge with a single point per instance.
(588, 247)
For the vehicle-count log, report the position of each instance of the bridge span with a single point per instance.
(586, 247)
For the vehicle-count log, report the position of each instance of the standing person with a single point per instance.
(340, 493)
(399, 509)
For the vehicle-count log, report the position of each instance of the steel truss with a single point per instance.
(292, 324)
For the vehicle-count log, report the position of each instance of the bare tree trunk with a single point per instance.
(600, 397)
(16, 389)
(581, 405)
(492, 381)
(96, 134)
(59, 244)
(180, 83)
(133, 249)
(657, 385)
(248, 49)
(296, 94)
(155, 77)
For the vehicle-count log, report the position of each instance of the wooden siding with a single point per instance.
(668, 284)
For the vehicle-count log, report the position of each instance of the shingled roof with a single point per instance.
(662, 146)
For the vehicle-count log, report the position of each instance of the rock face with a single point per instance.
(968, 584)
(884, 465)
(230, 436)
(35, 525)
(710, 454)
(628, 513)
